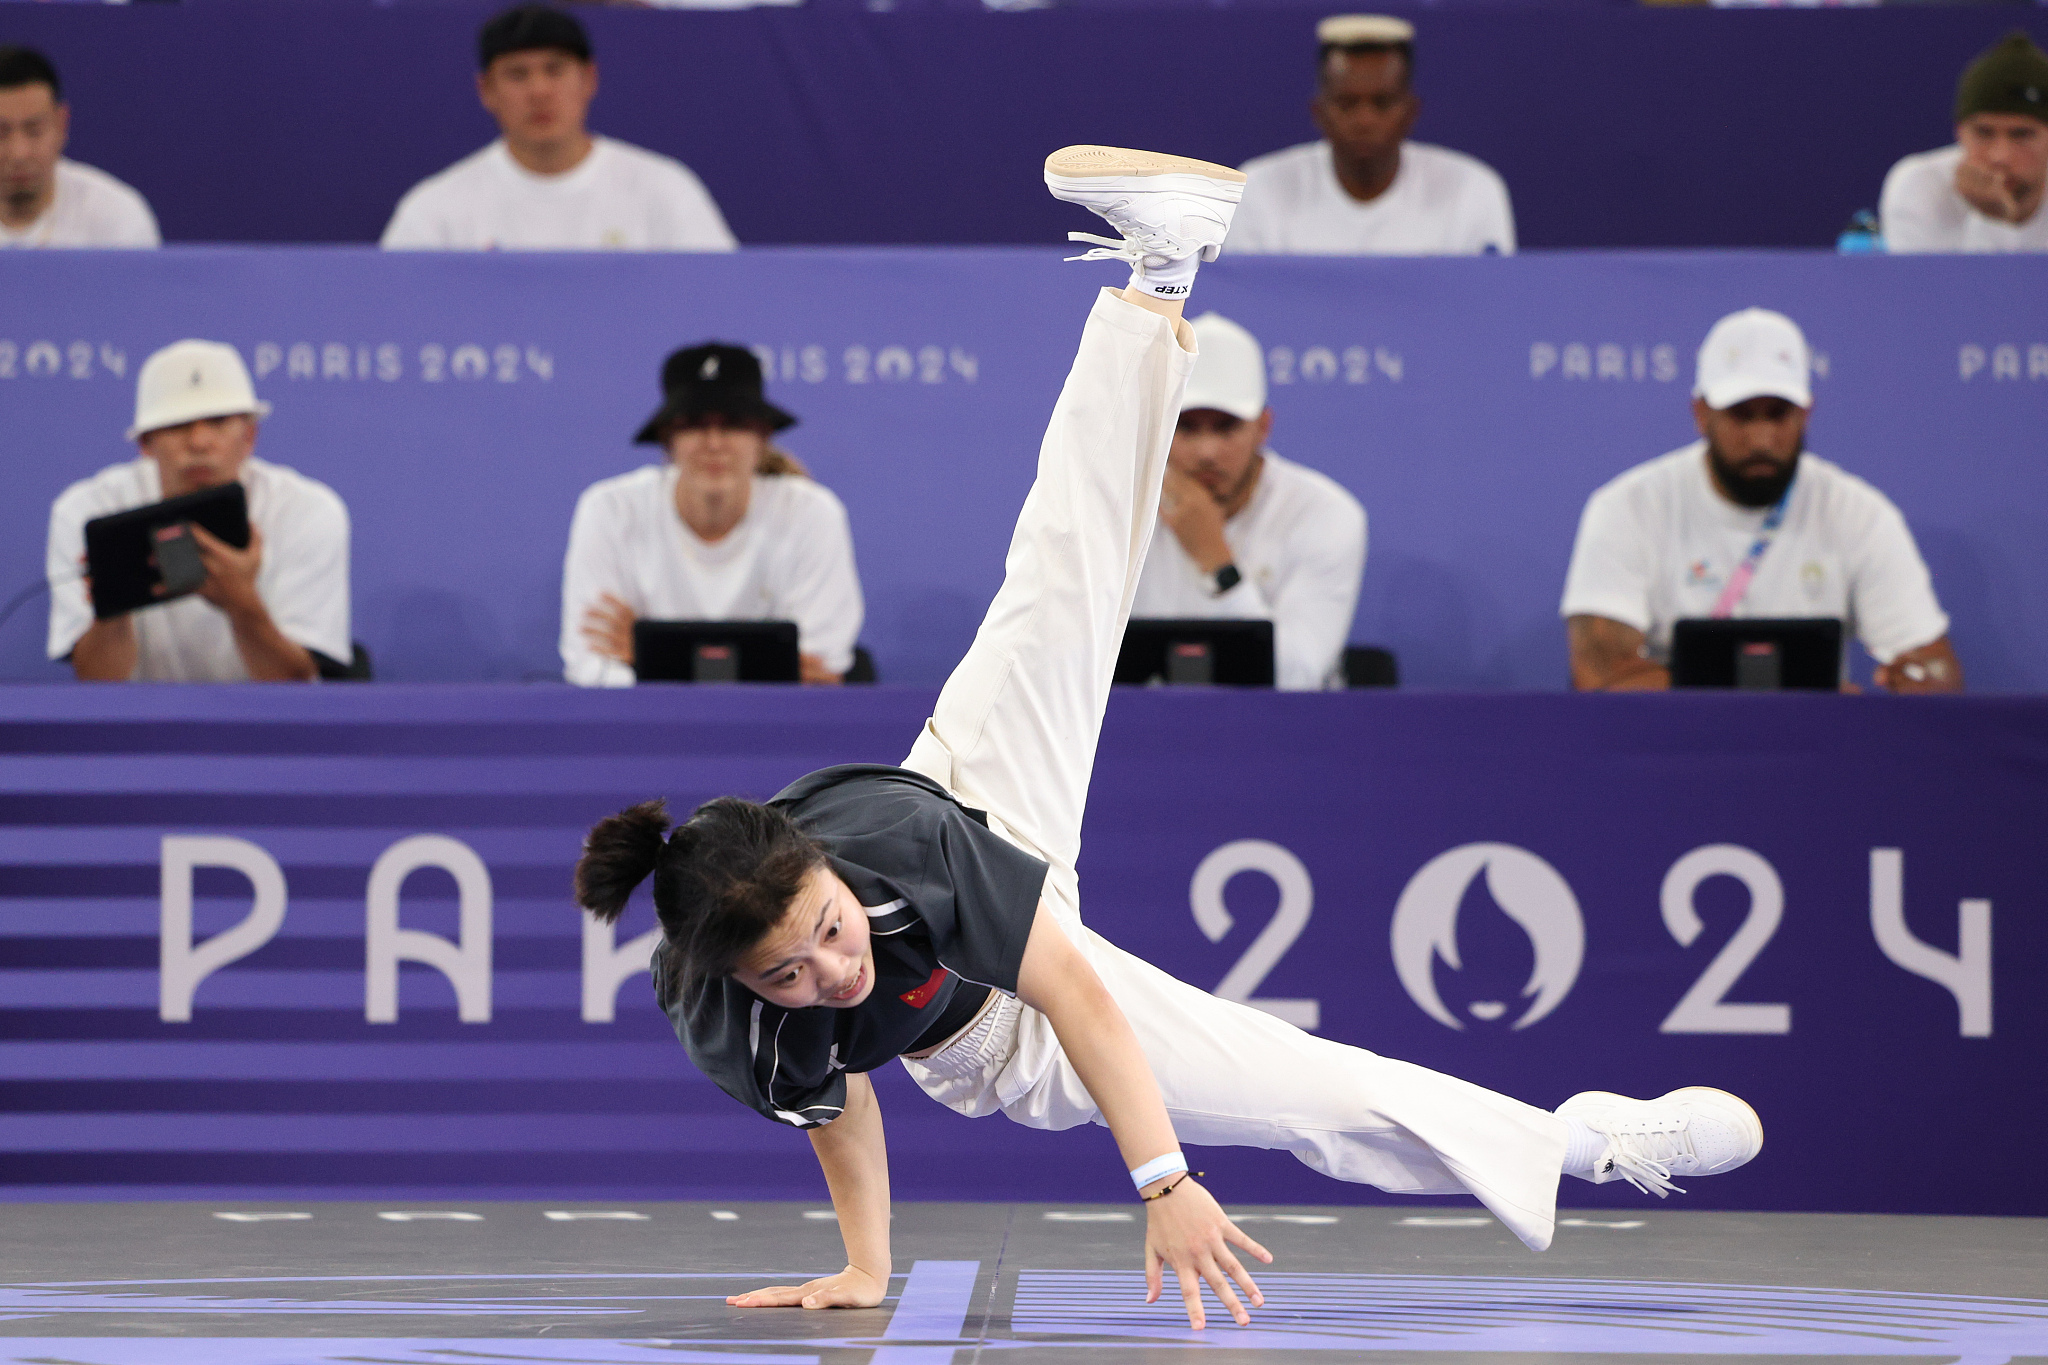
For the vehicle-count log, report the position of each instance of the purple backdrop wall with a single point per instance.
(1585, 812)
(459, 404)
(245, 120)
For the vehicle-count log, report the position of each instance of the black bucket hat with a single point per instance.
(715, 376)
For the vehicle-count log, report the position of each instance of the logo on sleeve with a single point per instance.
(922, 996)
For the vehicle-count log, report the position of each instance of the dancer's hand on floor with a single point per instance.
(1189, 1231)
(850, 1288)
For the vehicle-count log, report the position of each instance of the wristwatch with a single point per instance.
(1227, 578)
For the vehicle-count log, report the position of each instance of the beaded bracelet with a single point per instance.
(1148, 1198)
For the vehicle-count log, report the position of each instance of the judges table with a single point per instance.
(320, 940)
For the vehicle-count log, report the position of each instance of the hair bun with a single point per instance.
(619, 853)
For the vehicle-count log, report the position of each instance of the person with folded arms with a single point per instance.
(1248, 535)
(269, 612)
(729, 528)
(549, 184)
(1364, 189)
(1984, 191)
(1745, 522)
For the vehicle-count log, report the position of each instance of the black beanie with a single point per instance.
(2011, 78)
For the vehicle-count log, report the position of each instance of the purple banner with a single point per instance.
(460, 403)
(320, 941)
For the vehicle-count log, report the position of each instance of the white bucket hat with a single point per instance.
(1230, 370)
(188, 380)
(1754, 354)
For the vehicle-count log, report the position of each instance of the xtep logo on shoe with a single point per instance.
(1528, 891)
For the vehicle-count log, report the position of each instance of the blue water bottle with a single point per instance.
(1862, 237)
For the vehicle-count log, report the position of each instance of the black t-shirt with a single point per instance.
(950, 905)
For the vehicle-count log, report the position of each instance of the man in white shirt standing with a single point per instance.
(715, 534)
(1983, 192)
(1745, 523)
(1365, 190)
(548, 184)
(45, 199)
(265, 611)
(1248, 535)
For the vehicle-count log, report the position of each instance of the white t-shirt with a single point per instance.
(620, 197)
(90, 208)
(303, 580)
(789, 559)
(1442, 203)
(1658, 543)
(1921, 211)
(1300, 544)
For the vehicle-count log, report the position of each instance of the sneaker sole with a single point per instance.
(1088, 169)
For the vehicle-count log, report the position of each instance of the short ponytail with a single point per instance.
(722, 880)
(620, 852)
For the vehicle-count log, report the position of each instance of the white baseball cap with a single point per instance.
(1230, 370)
(1347, 30)
(188, 380)
(1754, 354)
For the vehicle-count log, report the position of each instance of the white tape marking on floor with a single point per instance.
(593, 1215)
(263, 1217)
(725, 1215)
(821, 1215)
(1087, 1216)
(1597, 1223)
(1430, 1221)
(430, 1216)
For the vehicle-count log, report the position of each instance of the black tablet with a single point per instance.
(1195, 651)
(1764, 655)
(146, 555)
(715, 651)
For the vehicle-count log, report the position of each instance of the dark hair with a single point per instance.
(527, 28)
(1406, 51)
(722, 879)
(21, 66)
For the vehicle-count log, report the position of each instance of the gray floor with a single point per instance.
(467, 1284)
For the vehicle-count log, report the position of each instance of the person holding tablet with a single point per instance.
(931, 911)
(1745, 522)
(269, 612)
(729, 528)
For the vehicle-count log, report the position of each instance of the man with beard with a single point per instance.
(1245, 534)
(1745, 523)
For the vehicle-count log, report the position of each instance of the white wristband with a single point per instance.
(1158, 1168)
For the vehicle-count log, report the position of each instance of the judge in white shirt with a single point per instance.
(271, 611)
(548, 184)
(729, 529)
(45, 199)
(1745, 523)
(1245, 534)
(1365, 189)
(1984, 191)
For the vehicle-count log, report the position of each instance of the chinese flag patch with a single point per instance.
(922, 996)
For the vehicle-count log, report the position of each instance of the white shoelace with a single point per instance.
(1134, 246)
(1643, 1159)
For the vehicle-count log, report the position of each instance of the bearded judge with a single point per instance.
(1745, 522)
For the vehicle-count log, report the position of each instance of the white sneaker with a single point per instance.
(1172, 211)
(1694, 1131)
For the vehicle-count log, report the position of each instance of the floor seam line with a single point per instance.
(995, 1282)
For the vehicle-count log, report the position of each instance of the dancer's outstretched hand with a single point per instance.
(1189, 1231)
(850, 1288)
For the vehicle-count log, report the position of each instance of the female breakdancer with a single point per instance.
(931, 911)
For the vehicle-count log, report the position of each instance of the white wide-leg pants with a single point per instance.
(1014, 733)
